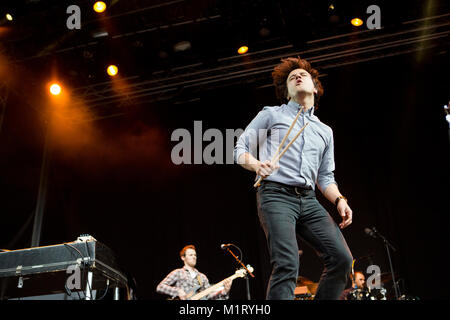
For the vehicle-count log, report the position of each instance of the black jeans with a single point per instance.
(285, 211)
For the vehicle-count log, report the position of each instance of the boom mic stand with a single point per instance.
(387, 245)
(240, 262)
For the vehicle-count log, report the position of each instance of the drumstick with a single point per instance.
(277, 157)
(289, 144)
(287, 134)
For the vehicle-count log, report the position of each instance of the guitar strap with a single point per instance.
(199, 279)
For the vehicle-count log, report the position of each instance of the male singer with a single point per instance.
(286, 199)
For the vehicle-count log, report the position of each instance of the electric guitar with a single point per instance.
(239, 274)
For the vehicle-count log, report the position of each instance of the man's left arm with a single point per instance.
(222, 294)
(327, 185)
(333, 195)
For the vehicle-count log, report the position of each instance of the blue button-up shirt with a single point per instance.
(309, 160)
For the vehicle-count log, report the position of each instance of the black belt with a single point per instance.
(292, 189)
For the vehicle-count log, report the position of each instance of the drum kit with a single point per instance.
(306, 289)
(366, 293)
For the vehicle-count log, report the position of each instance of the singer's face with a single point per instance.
(190, 258)
(299, 81)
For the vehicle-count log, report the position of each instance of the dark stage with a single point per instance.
(110, 173)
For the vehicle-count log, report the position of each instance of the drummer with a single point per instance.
(358, 282)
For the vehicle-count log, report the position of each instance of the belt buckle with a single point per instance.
(296, 190)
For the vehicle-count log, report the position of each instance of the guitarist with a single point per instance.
(184, 282)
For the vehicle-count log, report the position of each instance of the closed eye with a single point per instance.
(303, 75)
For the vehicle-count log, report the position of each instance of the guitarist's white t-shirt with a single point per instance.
(192, 273)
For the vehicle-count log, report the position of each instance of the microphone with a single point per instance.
(224, 246)
(376, 235)
(371, 232)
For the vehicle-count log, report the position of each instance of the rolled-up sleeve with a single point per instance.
(252, 135)
(325, 176)
(166, 286)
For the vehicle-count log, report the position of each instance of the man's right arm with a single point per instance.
(262, 169)
(247, 161)
(166, 286)
(247, 143)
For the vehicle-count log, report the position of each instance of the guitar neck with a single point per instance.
(213, 288)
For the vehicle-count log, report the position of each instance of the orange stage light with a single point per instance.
(357, 22)
(112, 70)
(99, 6)
(243, 50)
(55, 89)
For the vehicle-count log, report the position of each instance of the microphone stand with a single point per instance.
(248, 271)
(387, 245)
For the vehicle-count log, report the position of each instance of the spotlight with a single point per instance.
(264, 32)
(242, 50)
(333, 15)
(99, 6)
(163, 54)
(55, 89)
(334, 18)
(182, 46)
(99, 34)
(112, 70)
(9, 17)
(357, 22)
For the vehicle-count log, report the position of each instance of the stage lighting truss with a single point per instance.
(410, 37)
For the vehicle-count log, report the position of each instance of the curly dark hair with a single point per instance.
(281, 72)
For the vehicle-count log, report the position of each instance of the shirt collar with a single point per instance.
(296, 107)
(186, 269)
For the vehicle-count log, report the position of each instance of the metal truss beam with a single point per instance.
(340, 50)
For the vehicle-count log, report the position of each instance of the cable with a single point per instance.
(79, 252)
(240, 252)
(106, 290)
